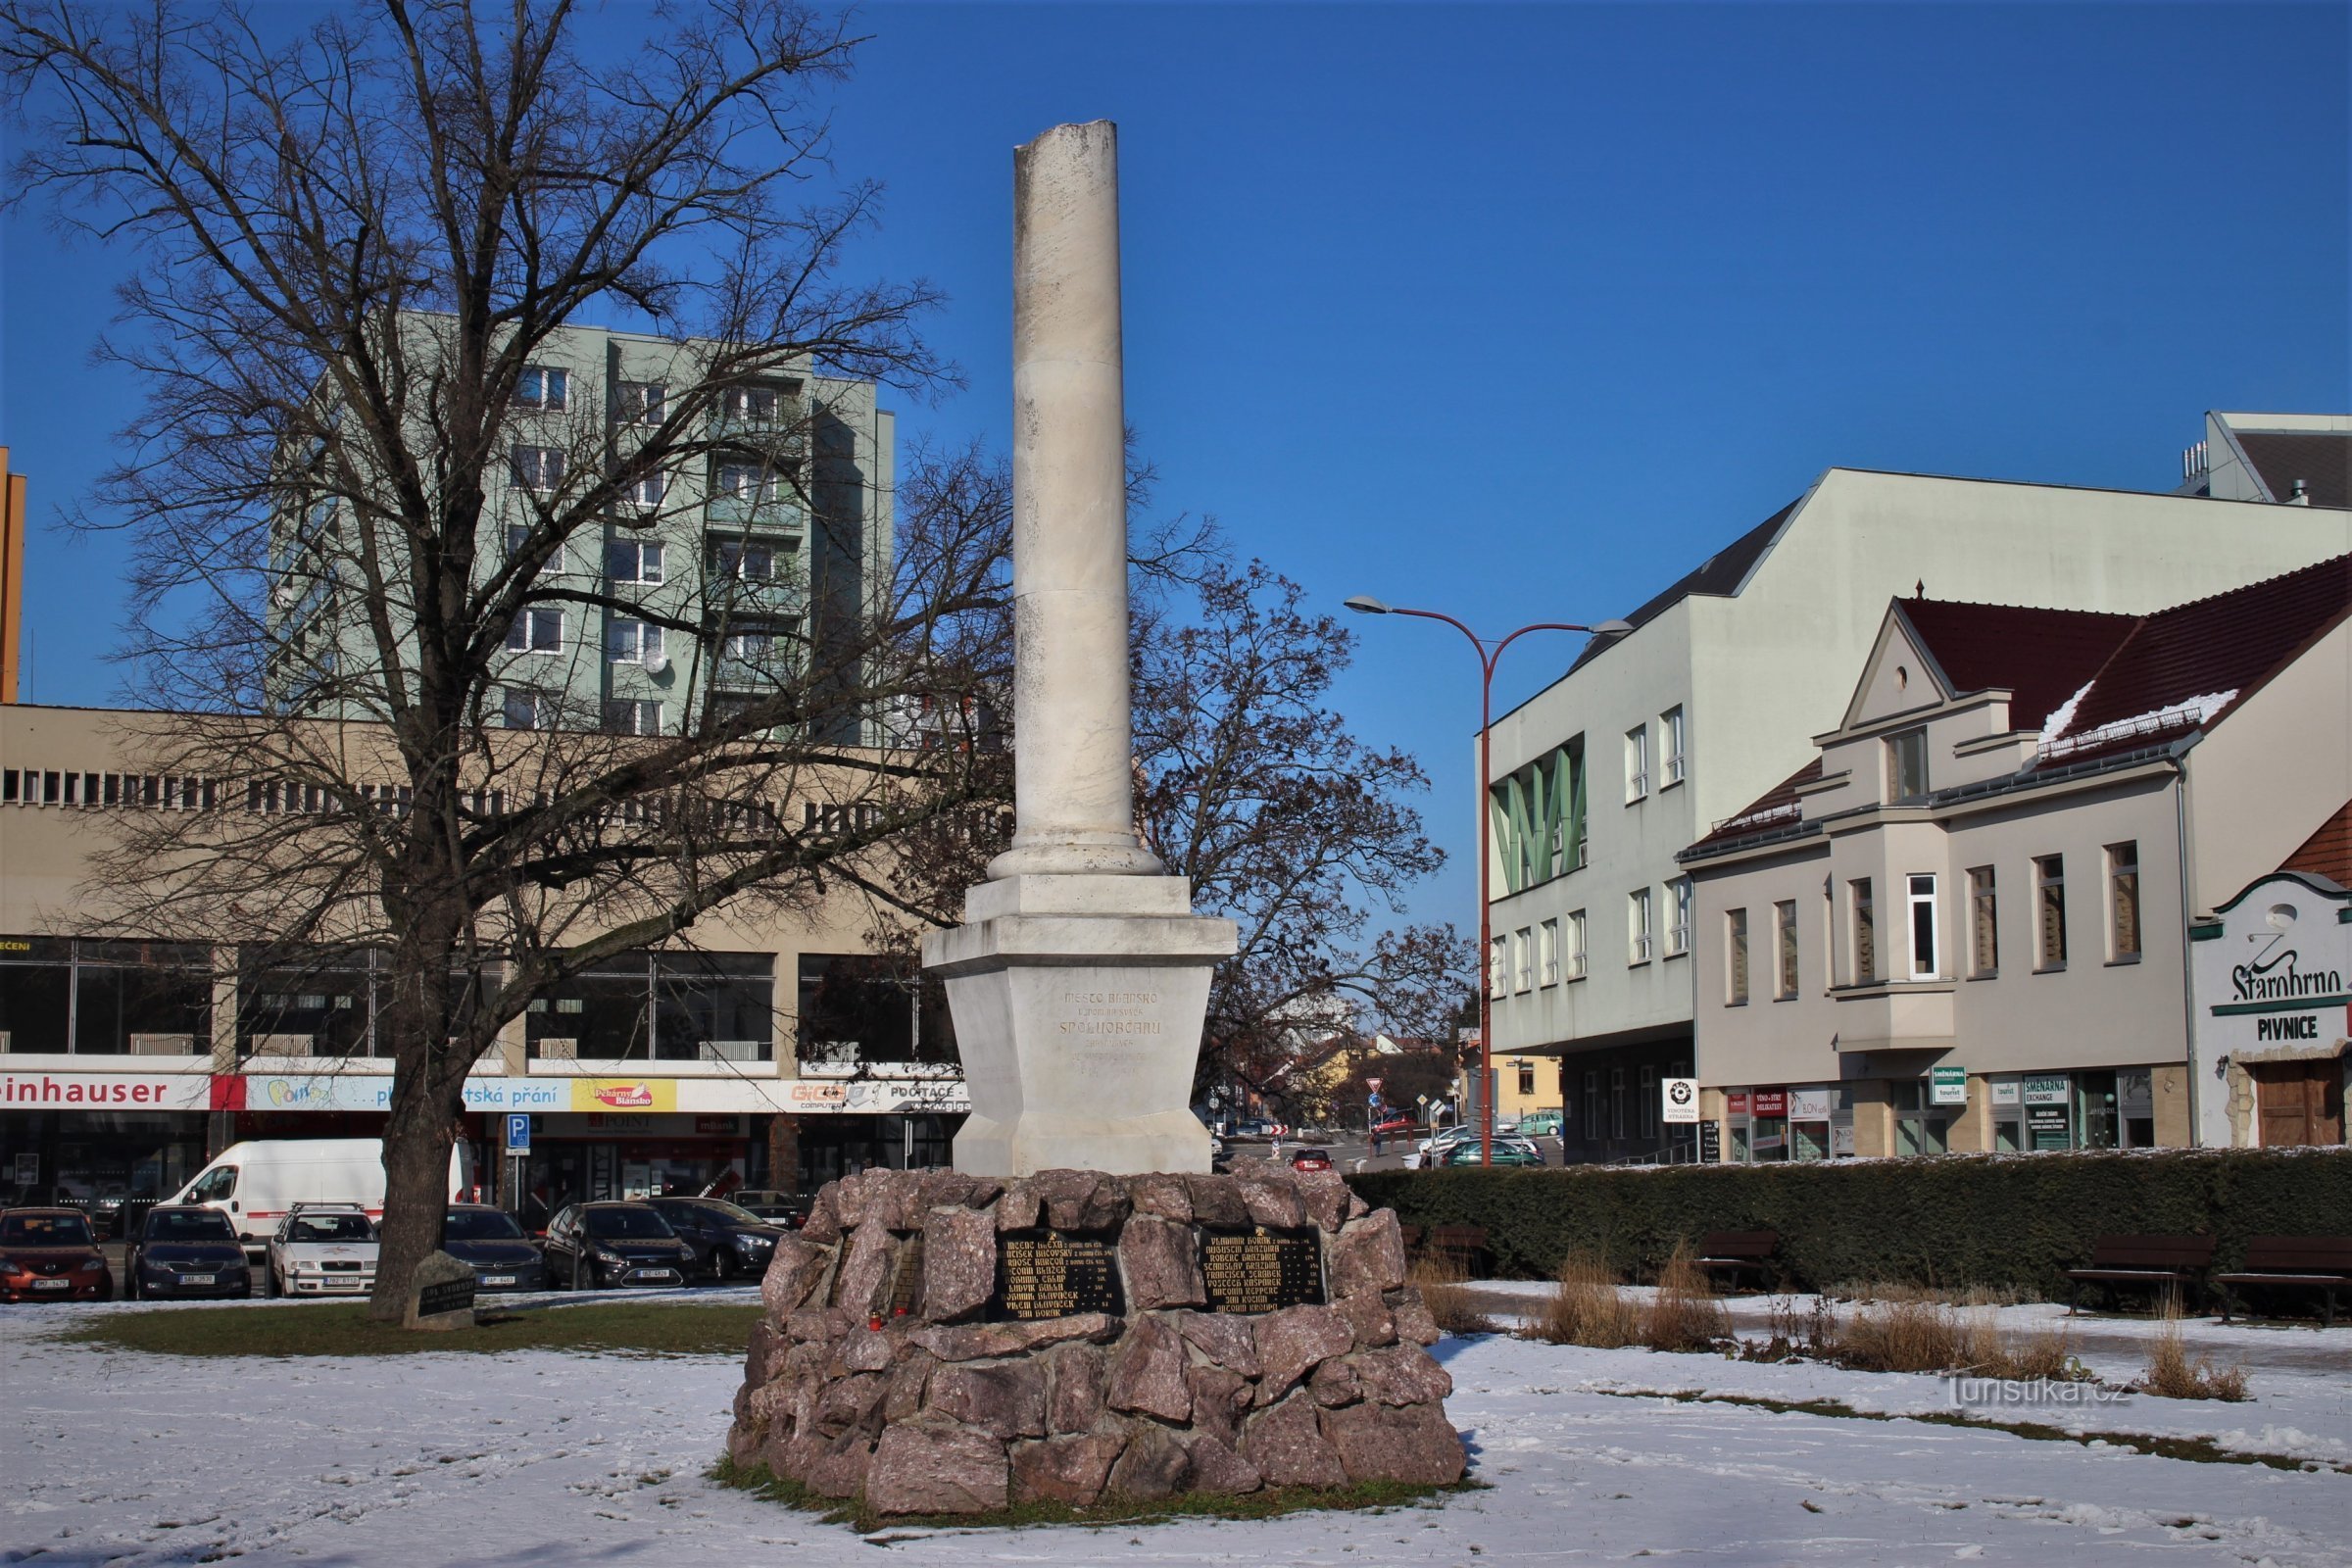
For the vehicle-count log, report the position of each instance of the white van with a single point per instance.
(255, 1183)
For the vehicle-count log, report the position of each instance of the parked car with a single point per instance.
(728, 1240)
(50, 1254)
(1539, 1124)
(593, 1245)
(502, 1257)
(786, 1210)
(1312, 1159)
(182, 1251)
(323, 1250)
(1396, 1127)
(257, 1182)
(1507, 1152)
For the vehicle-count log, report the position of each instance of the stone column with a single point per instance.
(1074, 804)
(1080, 976)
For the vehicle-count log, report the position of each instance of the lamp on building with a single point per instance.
(1487, 653)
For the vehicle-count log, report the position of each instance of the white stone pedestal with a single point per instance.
(1078, 1003)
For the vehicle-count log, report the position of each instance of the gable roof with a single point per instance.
(1720, 574)
(1777, 807)
(2322, 459)
(2040, 656)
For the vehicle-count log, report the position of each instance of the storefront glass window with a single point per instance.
(1919, 1127)
(105, 997)
(318, 1005)
(671, 1006)
(865, 1007)
(36, 994)
(2096, 1109)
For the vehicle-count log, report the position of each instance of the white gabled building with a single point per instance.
(1602, 778)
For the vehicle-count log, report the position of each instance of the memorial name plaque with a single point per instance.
(1054, 1274)
(907, 1280)
(447, 1295)
(1262, 1270)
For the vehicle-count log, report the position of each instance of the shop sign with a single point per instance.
(1947, 1086)
(1809, 1104)
(334, 1091)
(1681, 1097)
(2004, 1091)
(1710, 1143)
(2048, 1127)
(1735, 1102)
(105, 1091)
(2049, 1089)
(28, 1169)
(605, 1094)
(718, 1126)
(1771, 1103)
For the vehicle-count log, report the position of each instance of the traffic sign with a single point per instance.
(1681, 1096)
(1372, 1084)
(1421, 1099)
(518, 1133)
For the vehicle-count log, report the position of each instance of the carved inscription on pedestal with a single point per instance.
(1054, 1274)
(1262, 1270)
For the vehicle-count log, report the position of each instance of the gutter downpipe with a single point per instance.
(2189, 988)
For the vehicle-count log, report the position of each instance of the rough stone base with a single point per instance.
(873, 1375)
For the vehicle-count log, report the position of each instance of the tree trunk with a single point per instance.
(417, 1138)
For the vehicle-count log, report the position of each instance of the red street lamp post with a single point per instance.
(1488, 654)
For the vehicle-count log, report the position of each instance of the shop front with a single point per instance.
(1799, 1122)
(98, 1140)
(2271, 1050)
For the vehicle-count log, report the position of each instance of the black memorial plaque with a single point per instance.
(1045, 1273)
(1262, 1270)
(448, 1296)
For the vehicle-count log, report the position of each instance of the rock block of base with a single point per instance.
(939, 1343)
(440, 1295)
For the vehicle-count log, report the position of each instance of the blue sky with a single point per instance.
(1518, 311)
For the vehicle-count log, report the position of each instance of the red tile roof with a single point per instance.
(1777, 806)
(2321, 458)
(2041, 656)
(2327, 852)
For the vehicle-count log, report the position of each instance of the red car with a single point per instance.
(1398, 1127)
(48, 1254)
(1312, 1159)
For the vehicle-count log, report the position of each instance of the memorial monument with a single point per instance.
(1081, 1308)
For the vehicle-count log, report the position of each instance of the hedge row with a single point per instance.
(2001, 1221)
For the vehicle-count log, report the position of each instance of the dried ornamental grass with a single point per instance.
(1584, 1308)
(2172, 1375)
(1442, 1281)
(1685, 1315)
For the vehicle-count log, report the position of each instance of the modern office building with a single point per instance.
(1967, 922)
(779, 1049)
(1652, 737)
(768, 542)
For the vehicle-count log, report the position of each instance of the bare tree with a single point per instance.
(355, 491)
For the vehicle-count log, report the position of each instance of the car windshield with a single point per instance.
(720, 1208)
(203, 1225)
(45, 1230)
(333, 1227)
(480, 1225)
(633, 1223)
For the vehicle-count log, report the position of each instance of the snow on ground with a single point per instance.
(540, 1457)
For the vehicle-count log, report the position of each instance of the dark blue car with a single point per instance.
(185, 1250)
(502, 1257)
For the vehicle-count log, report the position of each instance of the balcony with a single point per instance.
(1894, 1015)
(778, 517)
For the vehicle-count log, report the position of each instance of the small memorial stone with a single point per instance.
(1046, 1273)
(1262, 1270)
(440, 1295)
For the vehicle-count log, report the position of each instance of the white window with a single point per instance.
(2123, 902)
(1637, 763)
(1547, 958)
(747, 482)
(1576, 945)
(536, 631)
(1670, 741)
(1498, 969)
(518, 536)
(1734, 949)
(1678, 926)
(1637, 923)
(750, 404)
(539, 468)
(543, 386)
(745, 559)
(646, 491)
(523, 709)
(1523, 959)
(1921, 923)
(1907, 765)
(633, 642)
(640, 402)
(632, 717)
(637, 561)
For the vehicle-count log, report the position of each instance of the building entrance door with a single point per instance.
(2299, 1102)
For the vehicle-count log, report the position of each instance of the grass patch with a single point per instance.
(1270, 1503)
(2195, 1450)
(2174, 1375)
(343, 1328)
(1586, 1309)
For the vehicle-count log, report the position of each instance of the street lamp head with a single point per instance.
(1366, 605)
(1612, 628)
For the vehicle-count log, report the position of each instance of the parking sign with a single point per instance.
(518, 1133)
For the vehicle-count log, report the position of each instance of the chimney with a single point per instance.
(2302, 494)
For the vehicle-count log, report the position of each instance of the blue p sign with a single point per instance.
(518, 1133)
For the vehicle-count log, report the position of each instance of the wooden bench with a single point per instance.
(1733, 1252)
(2164, 1263)
(1461, 1244)
(2322, 1263)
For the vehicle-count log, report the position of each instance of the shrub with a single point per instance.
(1585, 1307)
(1440, 1280)
(2009, 1223)
(2173, 1376)
(1684, 1315)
